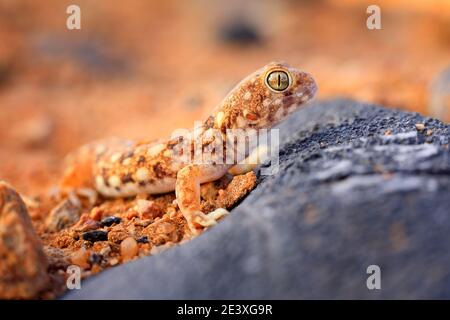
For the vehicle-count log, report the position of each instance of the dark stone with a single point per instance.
(109, 221)
(357, 186)
(240, 33)
(95, 258)
(95, 235)
(94, 56)
(143, 239)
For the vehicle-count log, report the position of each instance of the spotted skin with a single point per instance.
(123, 168)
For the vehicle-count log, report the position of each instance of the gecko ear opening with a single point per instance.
(278, 80)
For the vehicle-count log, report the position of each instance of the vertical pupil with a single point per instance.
(278, 80)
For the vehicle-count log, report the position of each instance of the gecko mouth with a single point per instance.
(252, 121)
(307, 94)
(303, 96)
(311, 88)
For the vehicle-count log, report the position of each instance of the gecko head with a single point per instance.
(265, 98)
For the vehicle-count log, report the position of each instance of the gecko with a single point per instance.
(124, 168)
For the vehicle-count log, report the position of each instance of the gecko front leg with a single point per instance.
(187, 191)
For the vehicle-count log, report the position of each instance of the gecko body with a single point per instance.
(124, 168)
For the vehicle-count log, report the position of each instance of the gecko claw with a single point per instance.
(198, 218)
(202, 219)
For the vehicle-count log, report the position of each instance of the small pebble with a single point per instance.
(95, 258)
(84, 217)
(117, 234)
(109, 221)
(105, 251)
(420, 126)
(95, 235)
(143, 239)
(89, 225)
(143, 223)
(96, 268)
(165, 228)
(159, 249)
(129, 248)
(96, 214)
(80, 258)
(131, 214)
(113, 261)
(147, 209)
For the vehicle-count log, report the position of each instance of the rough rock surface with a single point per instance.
(358, 185)
(23, 265)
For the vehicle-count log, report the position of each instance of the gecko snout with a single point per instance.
(305, 86)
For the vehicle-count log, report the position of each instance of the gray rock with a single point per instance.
(347, 196)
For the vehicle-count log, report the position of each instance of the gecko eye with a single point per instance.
(278, 80)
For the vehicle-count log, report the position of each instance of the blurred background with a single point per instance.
(140, 69)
